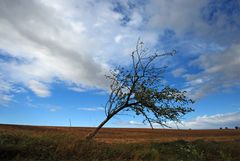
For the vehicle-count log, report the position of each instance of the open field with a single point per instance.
(128, 135)
(33, 143)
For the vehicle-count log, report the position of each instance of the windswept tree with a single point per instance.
(140, 88)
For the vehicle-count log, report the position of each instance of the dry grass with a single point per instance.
(127, 135)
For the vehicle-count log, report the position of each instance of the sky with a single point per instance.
(54, 55)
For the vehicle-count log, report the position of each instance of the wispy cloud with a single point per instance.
(91, 109)
(7, 91)
(178, 72)
(39, 89)
(53, 108)
(5, 99)
(50, 107)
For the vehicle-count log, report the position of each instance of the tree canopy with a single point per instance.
(140, 88)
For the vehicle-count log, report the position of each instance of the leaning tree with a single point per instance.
(140, 88)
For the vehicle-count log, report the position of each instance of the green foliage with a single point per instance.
(139, 88)
(20, 147)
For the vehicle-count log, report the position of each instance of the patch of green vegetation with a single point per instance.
(20, 147)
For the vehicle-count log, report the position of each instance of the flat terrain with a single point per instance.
(127, 135)
(41, 143)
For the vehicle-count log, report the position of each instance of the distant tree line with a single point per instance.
(236, 127)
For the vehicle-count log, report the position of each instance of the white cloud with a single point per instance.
(216, 121)
(118, 38)
(5, 99)
(62, 40)
(77, 42)
(219, 72)
(50, 107)
(135, 123)
(39, 88)
(229, 120)
(91, 109)
(7, 89)
(178, 72)
(206, 20)
(77, 89)
(180, 16)
(53, 108)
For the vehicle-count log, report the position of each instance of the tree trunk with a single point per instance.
(91, 135)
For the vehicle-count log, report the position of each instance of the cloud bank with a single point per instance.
(216, 121)
(77, 42)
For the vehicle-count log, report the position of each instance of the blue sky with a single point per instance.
(54, 55)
